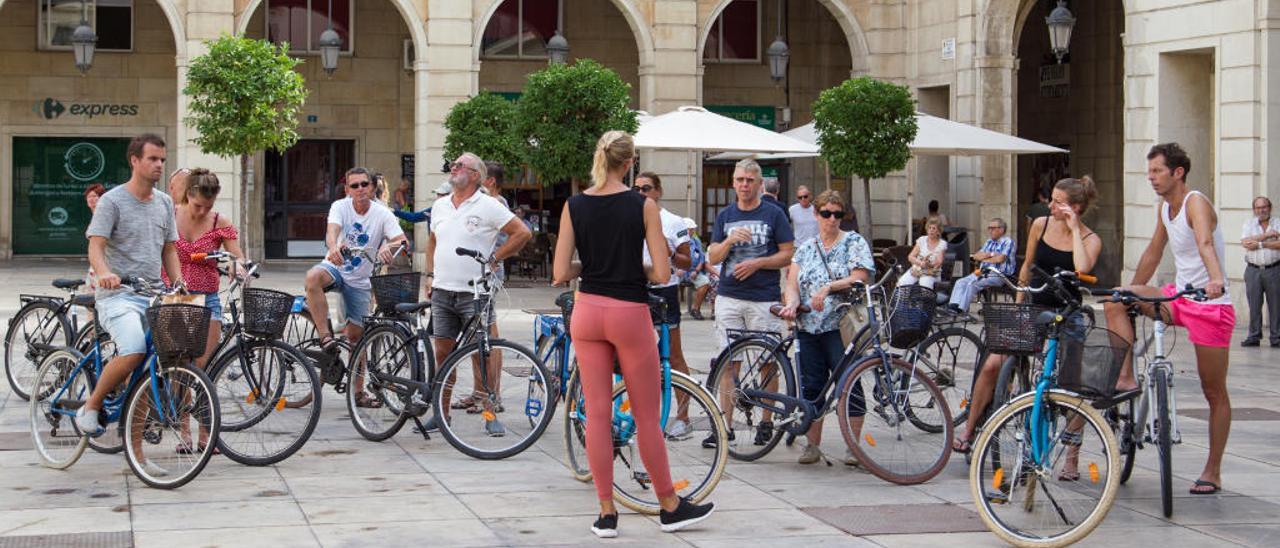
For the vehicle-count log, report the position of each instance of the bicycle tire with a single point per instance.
(538, 407)
(684, 487)
(301, 333)
(1011, 416)
(870, 455)
(388, 353)
(943, 354)
(20, 369)
(111, 441)
(742, 447)
(50, 380)
(575, 429)
(1127, 436)
(1011, 381)
(1164, 440)
(203, 406)
(265, 441)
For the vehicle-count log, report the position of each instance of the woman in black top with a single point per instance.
(608, 225)
(1057, 242)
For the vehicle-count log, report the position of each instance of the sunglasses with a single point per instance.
(994, 227)
(802, 197)
(644, 188)
(827, 214)
(361, 184)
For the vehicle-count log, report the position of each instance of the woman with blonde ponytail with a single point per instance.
(609, 226)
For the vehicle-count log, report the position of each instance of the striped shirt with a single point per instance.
(1003, 246)
(1260, 256)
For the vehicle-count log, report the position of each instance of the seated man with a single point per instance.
(997, 252)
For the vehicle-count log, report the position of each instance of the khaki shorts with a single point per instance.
(734, 313)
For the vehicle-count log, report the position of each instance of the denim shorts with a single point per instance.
(355, 301)
(124, 316)
(214, 303)
(451, 310)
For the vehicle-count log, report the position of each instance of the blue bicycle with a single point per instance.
(165, 404)
(553, 347)
(695, 471)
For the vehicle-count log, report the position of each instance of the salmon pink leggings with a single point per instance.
(603, 329)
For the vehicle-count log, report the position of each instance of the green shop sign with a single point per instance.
(50, 175)
(761, 116)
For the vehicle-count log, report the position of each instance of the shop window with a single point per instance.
(735, 34)
(300, 23)
(112, 20)
(519, 29)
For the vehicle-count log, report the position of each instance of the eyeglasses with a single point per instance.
(827, 214)
(994, 227)
(644, 188)
(361, 184)
(460, 165)
(802, 197)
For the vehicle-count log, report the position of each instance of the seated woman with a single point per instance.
(926, 256)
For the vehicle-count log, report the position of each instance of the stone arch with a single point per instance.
(859, 52)
(635, 19)
(1002, 24)
(407, 8)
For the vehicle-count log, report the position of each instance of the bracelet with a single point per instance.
(431, 274)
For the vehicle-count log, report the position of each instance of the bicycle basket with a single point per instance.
(390, 290)
(911, 315)
(565, 302)
(178, 331)
(1011, 327)
(266, 312)
(1090, 364)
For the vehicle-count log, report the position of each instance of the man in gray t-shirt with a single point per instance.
(132, 235)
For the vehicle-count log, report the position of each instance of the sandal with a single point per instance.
(365, 401)
(184, 448)
(1213, 488)
(477, 408)
(329, 344)
(464, 403)
(961, 446)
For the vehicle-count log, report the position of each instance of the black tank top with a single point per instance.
(609, 233)
(1050, 260)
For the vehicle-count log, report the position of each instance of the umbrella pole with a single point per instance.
(688, 190)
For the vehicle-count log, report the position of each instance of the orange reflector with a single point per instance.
(253, 395)
(681, 485)
(488, 415)
(1093, 472)
(964, 403)
(997, 479)
(280, 404)
(626, 406)
(870, 440)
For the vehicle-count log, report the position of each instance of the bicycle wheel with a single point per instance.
(300, 332)
(751, 364)
(165, 416)
(377, 406)
(1029, 504)
(695, 471)
(34, 332)
(1164, 439)
(547, 349)
(111, 441)
(575, 429)
(877, 400)
(491, 430)
(255, 383)
(56, 394)
(951, 356)
(1125, 428)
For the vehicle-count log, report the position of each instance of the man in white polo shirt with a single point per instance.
(472, 220)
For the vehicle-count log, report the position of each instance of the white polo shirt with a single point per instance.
(676, 233)
(474, 224)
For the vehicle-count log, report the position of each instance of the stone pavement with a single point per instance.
(341, 490)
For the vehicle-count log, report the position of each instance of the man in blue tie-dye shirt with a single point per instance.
(998, 252)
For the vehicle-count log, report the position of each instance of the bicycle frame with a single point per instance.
(114, 407)
(1145, 408)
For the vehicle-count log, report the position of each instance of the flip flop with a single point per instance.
(1202, 483)
(464, 403)
(961, 446)
(363, 400)
(1069, 476)
(330, 345)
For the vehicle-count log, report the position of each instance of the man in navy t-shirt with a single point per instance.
(752, 241)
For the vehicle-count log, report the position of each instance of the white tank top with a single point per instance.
(1186, 253)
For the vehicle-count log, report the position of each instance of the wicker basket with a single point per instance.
(266, 312)
(1090, 364)
(390, 290)
(178, 331)
(1012, 329)
(911, 315)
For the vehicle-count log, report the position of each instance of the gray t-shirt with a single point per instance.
(136, 232)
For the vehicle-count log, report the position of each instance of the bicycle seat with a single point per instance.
(68, 283)
(86, 300)
(412, 308)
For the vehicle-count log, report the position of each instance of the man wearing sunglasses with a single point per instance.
(998, 251)
(802, 218)
(355, 222)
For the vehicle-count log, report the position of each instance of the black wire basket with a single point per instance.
(565, 302)
(266, 312)
(911, 315)
(1012, 329)
(1089, 362)
(178, 331)
(390, 290)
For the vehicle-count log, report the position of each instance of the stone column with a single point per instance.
(995, 111)
(445, 75)
(676, 67)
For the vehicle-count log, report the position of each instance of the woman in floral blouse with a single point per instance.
(822, 270)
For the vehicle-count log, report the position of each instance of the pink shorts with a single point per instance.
(1207, 324)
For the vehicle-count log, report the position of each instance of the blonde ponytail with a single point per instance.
(612, 151)
(1082, 192)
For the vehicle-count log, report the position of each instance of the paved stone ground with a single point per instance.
(341, 490)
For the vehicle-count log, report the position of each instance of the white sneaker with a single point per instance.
(154, 470)
(849, 459)
(810, 455)
(87, 422)
(678, 429)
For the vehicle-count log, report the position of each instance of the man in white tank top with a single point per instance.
(1189, 225)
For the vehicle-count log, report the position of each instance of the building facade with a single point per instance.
(1137, 73)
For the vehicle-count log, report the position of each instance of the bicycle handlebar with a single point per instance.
(1127, 297)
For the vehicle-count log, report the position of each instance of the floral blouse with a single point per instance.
(849, 253)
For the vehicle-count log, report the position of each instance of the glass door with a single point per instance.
(301, 183)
